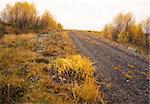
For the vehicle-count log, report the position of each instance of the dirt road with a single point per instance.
(124, 77)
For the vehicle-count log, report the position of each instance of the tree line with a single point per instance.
(23, 17)
(125, 30)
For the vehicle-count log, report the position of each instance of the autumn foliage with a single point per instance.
(23, 17)
(125, 30)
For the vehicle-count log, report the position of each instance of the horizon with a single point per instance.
(89, 14)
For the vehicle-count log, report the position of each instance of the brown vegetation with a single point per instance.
(125, 30)
(41, 68)
(45, 69)
(22, 17)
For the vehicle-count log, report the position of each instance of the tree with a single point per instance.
(121, 26)
(59, 26)
(122, 22)
(22, 17)
(146, 29)
(146, 26)
(107, 31)
(47, 21)
(6, 15)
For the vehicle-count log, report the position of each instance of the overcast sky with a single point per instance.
(88, 14)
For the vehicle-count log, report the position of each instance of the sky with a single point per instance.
(88, 14)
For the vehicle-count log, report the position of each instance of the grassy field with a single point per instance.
(45, 69)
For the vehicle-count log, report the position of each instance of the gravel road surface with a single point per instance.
(124, 77)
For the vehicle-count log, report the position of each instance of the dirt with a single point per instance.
(124, 77)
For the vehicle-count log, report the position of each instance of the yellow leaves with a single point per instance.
(22, 17)
(48, 21)
(59, 26)
(107, 31)
(125, 30)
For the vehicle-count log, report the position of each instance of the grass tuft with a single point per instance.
(45, 69)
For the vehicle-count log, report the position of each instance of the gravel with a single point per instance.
(129, 84)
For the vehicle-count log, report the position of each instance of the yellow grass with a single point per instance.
(19, 70)
(23, 41)
(76, 63)
(88, 91)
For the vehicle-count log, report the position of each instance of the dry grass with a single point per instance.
(88, 91)
(23, 41)
(12, 58)
(75, 63)
(128, 76)
(78, 72)
(117, 67)
(131, 66)
(55, 75)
